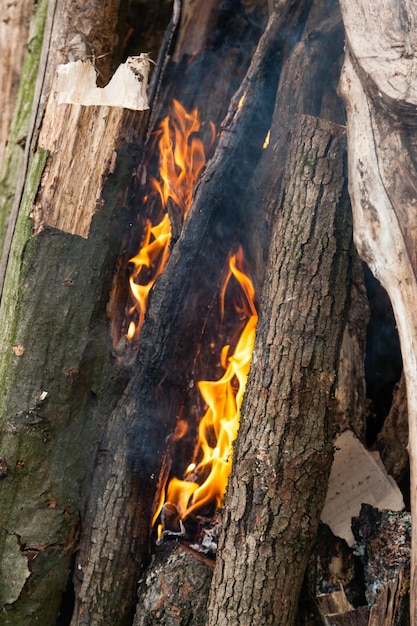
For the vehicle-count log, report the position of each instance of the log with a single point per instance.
(384, 538)
(379, 89)
(18, 90)
(175, 588)
(14, 29)
(130, 475)
(59, 274)
(289, 396)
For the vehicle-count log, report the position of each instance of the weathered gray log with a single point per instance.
(283, 451)
(379, 88)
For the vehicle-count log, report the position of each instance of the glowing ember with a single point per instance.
(182, 158)
(206, 477)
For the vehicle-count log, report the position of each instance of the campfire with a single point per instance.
(182, 156)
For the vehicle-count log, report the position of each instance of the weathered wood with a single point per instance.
(392, 440)
(18, 126)
(284, 441)
(175, 588)
(351, 387)
(176, 315)
(58, 377)
(379, 89)
(63, 30)
(14, 29)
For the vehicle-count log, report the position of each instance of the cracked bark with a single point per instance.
(283, 451)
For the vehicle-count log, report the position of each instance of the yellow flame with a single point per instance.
(219, 426)
(182, 158)
(267, 138)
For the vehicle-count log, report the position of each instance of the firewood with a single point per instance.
(174, 589)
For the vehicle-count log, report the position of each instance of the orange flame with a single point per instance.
(207, 476)
(182, 157)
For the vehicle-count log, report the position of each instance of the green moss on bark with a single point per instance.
(14, 159)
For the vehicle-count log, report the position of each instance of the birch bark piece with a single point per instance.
(76, 84)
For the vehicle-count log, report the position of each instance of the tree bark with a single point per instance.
(18, 94)
(58, 376)
(284, 442)
(14, 28)
(130, 475)
(379, 89)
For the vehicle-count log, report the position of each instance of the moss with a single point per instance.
(11, 166)
(20, 256)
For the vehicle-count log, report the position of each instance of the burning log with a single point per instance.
(289, 390)
(149, 411)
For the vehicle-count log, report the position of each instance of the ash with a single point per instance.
(208, 536)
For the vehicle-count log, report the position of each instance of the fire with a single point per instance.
(182, 157)
(206, 478)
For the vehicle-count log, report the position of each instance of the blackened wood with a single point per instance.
(283, 452)
(384, 537)
(392, 440)
(307, 85)
(128, 474)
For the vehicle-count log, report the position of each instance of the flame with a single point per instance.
(267, 139)
(207, 476)
(182, 157)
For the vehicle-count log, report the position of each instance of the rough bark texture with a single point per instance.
(57, 386)
(57, 372)
(17, 102)
(128, 478)
(380, 91)
(284, 442)
(14, 28)
(175, 588)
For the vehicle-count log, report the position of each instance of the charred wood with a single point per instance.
(392, 440)
(177, 310)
